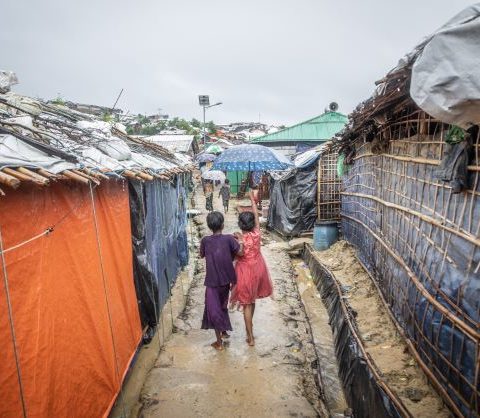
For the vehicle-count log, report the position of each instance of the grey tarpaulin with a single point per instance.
(293, 201)
(449, 61)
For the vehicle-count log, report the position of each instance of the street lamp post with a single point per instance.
(204, 101)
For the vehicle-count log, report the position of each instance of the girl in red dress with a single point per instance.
(253, 278)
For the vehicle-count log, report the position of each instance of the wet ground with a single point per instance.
(380, 337)
(274, 378)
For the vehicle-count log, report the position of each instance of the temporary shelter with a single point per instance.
(69, 315)
(307, 193)
(411, 203)
(302, 136)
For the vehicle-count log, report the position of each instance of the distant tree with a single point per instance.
(148, 130)
(173, 122)
(196, 123)
(59, 100)
(211, 127)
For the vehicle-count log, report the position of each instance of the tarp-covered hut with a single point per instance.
(308, 192)
(411, 203)
(69, 314)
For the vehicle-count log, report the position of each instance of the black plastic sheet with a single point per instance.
(293, 202)
(362, 392)
(159, 238)
(145, 281)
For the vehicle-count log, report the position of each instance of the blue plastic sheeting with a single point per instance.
(159, 237)
(166, 236)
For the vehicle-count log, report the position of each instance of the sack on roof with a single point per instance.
(111, 145)
(7, 80)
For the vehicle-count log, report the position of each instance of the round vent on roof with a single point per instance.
(333, 107)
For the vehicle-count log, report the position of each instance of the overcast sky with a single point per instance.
(281, 61)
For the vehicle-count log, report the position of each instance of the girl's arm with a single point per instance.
(255, 210)
(239, 238)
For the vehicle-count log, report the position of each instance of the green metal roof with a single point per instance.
(320, 128)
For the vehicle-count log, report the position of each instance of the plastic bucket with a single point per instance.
(324, 235)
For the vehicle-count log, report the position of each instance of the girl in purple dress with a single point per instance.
(219, 251)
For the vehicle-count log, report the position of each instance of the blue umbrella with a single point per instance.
(251, 157)
(205, 158)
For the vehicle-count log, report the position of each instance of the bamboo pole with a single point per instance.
(144, 175)
(130, 174)
(33, 174)
(22, 176)
(411, 347)
(9, 180)
(95, 174)
(453, 318)
(368, 359)
(426, 218)
(73, 176)
(319, 178)
(46, 174)
(90, 178)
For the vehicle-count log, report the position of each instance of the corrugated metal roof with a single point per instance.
(173, 143)
(320, 128)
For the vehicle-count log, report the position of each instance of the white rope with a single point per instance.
(12, 327)
(21, 244)
(99, 248)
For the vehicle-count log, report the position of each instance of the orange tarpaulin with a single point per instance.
(67, 299)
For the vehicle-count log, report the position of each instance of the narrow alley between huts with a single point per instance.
(286, 245)
(273, 378)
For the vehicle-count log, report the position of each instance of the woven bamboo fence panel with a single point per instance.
(328, 190)
(421, 243)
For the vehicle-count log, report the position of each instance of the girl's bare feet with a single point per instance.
(250, 341)
(217, 345)
(225, 334)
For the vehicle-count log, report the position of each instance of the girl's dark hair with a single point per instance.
(246, 221)
(215, 221)
(227, 181)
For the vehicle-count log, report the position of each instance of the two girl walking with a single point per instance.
(234, 263)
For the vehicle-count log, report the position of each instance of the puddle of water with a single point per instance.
(322, 334)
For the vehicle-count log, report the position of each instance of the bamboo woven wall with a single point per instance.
(328, 190)
(421, 242)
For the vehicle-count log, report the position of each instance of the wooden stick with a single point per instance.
(144, 176)
(73, 176)
(96, 174)
(9, 180)
(92, 179)
(452, 317)
(21, 176)
(47, 174)
(426, 218)
(411, 348)
(33, 174)
(368, 359)
(129, 173)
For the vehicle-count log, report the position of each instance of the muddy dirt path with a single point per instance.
(274, 378)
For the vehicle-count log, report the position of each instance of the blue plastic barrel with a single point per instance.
(325, 233)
